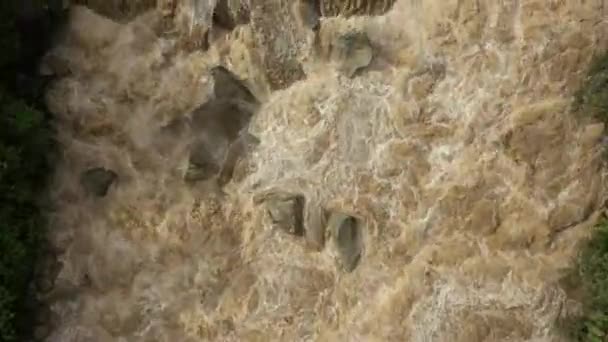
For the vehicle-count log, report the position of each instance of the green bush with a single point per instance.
(592, 272)
(25, 142)
(592, 97)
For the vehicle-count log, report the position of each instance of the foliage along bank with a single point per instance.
(25, 146)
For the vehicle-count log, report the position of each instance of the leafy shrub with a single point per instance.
(592, 271)
(25, 142)
(591, 274)
(592, 97)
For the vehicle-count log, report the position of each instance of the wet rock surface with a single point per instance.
(286, 213)
(315, 218)
(219, 128)
(97, 181)
(307, 14)
(346, 233)
(222, 119)
(296, 214)
(352, 52)
(203, 164)
(274, 25)
(230, 13)
(228, 87)
(238, 151)
(284, 209)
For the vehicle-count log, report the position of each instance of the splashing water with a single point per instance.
(456, 146)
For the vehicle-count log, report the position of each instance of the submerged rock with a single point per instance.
(227, 86)
(351, 52)
(219, 129)
(229, 112)
(239, 150)
(307, 14)
(315, 218)
(202, 164)
(225, 119)
(286, 213)
(228, 14)
(346, 233)
(215, 155)
(286, 210)
(97, 181)
(297, 214)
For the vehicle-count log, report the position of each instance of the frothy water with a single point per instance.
(456, 147)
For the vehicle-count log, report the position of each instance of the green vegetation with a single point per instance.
(25, 142)
(592, 98)
(591, 273)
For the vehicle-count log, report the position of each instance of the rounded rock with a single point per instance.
(347, 236)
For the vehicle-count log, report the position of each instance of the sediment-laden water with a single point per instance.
(435, 190)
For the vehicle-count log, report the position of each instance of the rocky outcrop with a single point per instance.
(219, 128)
(286, 212)
(227, 86)
(274, 28)
(227, 14)
(306, 218)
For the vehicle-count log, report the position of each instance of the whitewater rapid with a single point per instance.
(456, 148)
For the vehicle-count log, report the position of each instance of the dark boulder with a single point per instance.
(285, 210)
(237, 151)
(219, 128)
(227, 86)
(202, 164)
(228, 14)
(347, 235)
(97, 181)
(219, 117)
